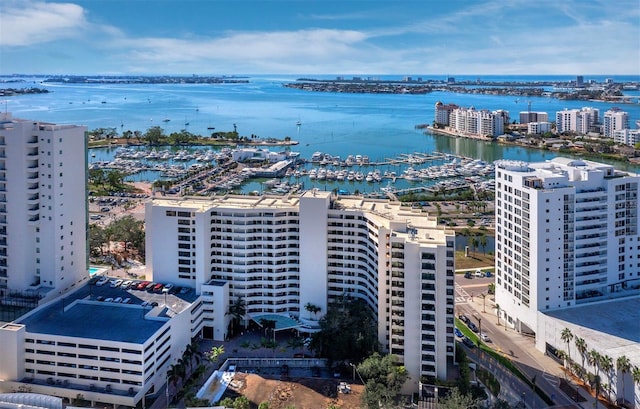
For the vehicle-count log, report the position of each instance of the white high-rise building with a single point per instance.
(43, 207)
(615, 119)
(627, 136)
(481, 123)
(280, 253)
(538, 128)
(566, 235)
(577, 120)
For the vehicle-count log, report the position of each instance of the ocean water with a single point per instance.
(377, 125)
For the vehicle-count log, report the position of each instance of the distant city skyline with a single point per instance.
(224, 37)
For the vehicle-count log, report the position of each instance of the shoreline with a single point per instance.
(124, 142)
(445, 132)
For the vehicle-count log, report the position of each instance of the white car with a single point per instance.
(485, 337)
(479, 273)
(102, 281)
(118, 299)
(126, 284)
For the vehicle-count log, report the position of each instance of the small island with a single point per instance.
(160, 79)
(10, 92)
(608, 91)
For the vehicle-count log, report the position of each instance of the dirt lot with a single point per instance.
(303, 393)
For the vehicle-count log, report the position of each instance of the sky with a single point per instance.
(394, 37)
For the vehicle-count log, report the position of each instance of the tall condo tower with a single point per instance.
(43, 210)
(566, 235)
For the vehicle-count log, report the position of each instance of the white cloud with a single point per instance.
(288, 47)
(27, 23)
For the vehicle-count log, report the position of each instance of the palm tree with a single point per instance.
(483, 243)
(581, 346)
(474, 243)
(312, 308)
(606, 364)
(567, 336)
(635, 374)
(192, 353)
(594, 360)
(623, 364)
(237, 310)
(498, 312)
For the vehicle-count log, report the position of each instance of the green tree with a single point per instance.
(268, 325)
(263, 405)
(128, 230)
(474, 243)
(97, 239)
(606, 365)
(97, 177)
(457, 400)
(176, 373)
(483, 243)
(154, 135)
(215, 353)
(312, 309)
(348, 331)
(567, 336)
(635, 374)
(237, 310)
(114, 178)
(241, 402)
(383, 377)
(623, 364)
(582, 348)
(226, 403)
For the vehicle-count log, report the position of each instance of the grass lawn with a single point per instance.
(475, 260)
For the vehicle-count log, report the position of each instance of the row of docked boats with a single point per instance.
(372, 176)
(351, 160)
(456, 168)
(183, 155)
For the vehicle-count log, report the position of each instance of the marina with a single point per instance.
(246, 170)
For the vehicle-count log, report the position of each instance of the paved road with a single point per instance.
(519, 348)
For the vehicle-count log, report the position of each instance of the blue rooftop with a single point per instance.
(93, 320)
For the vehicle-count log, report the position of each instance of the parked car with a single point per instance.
(463, 318)
(468, 342)
(102, 281)
(157, 288)
(126, 300)
(479, 274)
(117, 299)
(125, 285)
(458, 333)
(489, 274)
(485, 337)
(472, 327)
(468, 274)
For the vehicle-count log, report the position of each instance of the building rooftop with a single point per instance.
(82, 315)
(614, 324)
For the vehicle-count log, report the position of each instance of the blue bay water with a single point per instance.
(378, 125)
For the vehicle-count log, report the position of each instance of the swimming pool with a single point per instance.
(95, 270)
